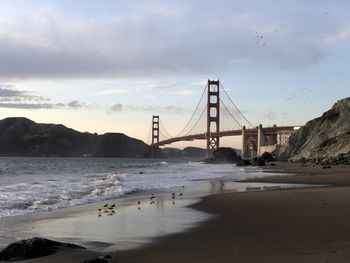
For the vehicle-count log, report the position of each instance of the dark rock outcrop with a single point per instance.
(258, 161)
(33, 248)
(267, 157)
(223, 155)
(23, 137)
(263, 160)
(242, 162)
(324, 138)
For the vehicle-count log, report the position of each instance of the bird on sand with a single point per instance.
(112, 213)
(112, 206)
(106, 205)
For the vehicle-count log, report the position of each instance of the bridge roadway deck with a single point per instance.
(203, 136)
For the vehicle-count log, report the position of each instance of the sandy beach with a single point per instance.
(296, 173)
(275, 226)
(287, 225)
(294, 225)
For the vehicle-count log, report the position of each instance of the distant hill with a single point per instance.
(23, 137)
(194, 152)
(325, 137)
(186, 152)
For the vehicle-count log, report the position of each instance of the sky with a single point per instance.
(108, 66)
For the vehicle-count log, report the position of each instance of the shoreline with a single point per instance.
(312, 174)
(289, 225)
(229, 234)
(26, 225)
(59, 224)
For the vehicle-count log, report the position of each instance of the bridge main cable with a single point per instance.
(200, 116)
(168, 135)
(231, 114)
(205, 88)
(149, 134)
(236, 106)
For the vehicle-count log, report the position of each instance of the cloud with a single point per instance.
(166, 38)
(29, 105)
(113, 91)
(161, 85)
(75, 104)
(117, 108)
(201, 83)
(10, 97)
(185, 92)
(60, 105)
(274, 116)
(7, 90)
(157, 109)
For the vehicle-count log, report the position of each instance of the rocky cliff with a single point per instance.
(327, 136)
(23, 137)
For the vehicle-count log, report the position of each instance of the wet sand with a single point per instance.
(288, 225)
(294, 173)
(294, 225)
(103, 233)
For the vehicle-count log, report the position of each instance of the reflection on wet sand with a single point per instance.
(216, 186)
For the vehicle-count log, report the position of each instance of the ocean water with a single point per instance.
(30, 185)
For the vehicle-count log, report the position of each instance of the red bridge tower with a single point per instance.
(213, 116)
(155, 136)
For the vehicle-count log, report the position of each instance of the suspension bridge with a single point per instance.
(255, 139)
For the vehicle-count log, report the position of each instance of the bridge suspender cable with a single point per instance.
(164, 136)
(196, 121)
(236, 106)
(149, 134)
(230, 113)
(167, 133)
(205, 88)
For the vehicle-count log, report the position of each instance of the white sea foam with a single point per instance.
(65, 182)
